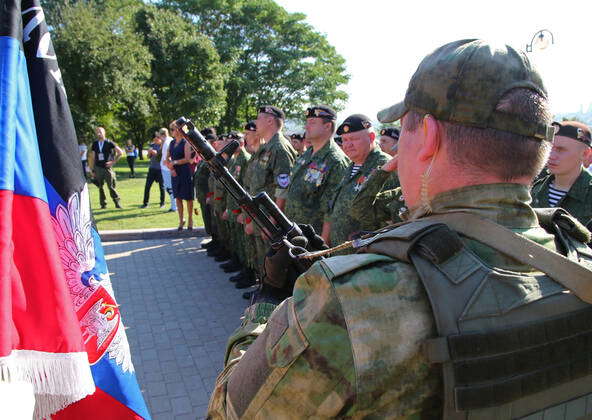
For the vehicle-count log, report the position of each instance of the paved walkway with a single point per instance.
(179, 309)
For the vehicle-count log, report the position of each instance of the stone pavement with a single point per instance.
(179, 309)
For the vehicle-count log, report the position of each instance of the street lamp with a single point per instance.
(540, 40)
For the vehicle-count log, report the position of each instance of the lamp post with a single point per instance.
(540, 40)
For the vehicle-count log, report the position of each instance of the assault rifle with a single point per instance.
(280, 231)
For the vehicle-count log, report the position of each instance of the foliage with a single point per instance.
(187, 77)
(134, 65)
(105, 68)
(273, 56)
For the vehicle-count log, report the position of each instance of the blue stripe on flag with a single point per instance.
(20, 164)
(121, 386)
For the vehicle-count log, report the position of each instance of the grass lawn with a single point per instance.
(131, 191)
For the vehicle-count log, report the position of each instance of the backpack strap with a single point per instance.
(570, 274)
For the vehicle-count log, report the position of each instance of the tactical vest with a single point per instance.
(512, 345)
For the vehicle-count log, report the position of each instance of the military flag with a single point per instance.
(60, 325)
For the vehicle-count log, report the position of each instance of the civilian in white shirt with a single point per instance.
(166, 173)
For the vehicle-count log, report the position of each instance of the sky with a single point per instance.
(383, 42)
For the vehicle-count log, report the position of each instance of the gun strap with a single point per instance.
(573, 276)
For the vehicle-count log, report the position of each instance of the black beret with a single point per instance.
(208, 130)
(353, 123)
(251, 126)
(321, 111)
(390, 132)
(297, 136)
(272, 110)
(574, 130)
(235, 135)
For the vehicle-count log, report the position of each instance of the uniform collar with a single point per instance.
(274, 139)
(370, 161)
(505, 204)
(583, 184)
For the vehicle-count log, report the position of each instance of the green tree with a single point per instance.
(187, 77)
(273, 56)
(105, 68)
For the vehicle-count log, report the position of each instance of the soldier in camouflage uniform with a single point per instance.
(389, 137)
(568, 185)
(350, 341)
(317, 173)
(374, 206)
(359, 146)
(218, 206)
(253, 143)
(297, 142)
(236, 166)
(273, 163)
(200, 183)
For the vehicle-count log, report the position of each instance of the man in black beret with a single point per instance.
(359, 145)
(389, 137)
(273, 163)
(569, 185)
(297, 142)
(317, 173)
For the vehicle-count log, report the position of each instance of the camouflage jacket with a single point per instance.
(200, 180)
(348, 343)
(237, 166)
(218, 195)
(275, 162)
(342, 224)
(379, 202)
(314, 181)
(577, 201)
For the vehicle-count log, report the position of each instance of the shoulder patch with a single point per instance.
(342, 264)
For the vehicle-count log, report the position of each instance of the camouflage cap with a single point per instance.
(463, 82)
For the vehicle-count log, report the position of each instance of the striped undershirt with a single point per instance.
(555, 195)
(355, 169)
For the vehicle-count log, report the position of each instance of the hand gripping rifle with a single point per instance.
(280, 231)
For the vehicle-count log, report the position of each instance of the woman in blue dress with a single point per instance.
(179, 157)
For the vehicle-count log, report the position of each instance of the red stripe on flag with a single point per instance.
(43, 318)
(98, 405)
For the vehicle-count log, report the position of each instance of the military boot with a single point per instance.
(239, 276)
(249, 280)
(232, 266)
(211, 244)
(223, 255)
(213, 250)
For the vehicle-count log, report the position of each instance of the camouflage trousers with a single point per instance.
(205, 215)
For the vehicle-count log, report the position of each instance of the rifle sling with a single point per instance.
(570, 274)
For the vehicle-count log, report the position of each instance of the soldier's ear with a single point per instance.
(431, 138)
